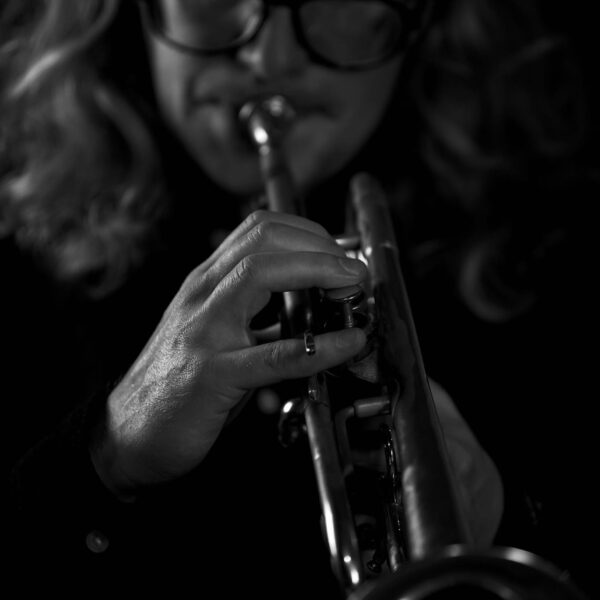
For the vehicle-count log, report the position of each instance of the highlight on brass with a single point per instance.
(267, 118)
(395, 526)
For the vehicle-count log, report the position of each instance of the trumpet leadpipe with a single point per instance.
(267, 121)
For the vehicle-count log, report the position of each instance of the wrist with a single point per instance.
(104, 455)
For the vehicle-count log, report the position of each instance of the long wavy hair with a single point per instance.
(498, 99)
(81, 184)
(504, 137)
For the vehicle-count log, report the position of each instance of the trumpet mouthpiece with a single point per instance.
(266, 120)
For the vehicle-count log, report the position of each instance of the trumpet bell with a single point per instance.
(459, 573)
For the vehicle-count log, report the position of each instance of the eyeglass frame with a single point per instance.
(417, 13)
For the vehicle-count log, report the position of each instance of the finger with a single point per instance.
(257, 226)
(248, 287)
(272, 237)
(271, 363)
(266, 236)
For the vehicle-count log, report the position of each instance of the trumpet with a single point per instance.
(417, 543)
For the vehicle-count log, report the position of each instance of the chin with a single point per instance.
(239, 180)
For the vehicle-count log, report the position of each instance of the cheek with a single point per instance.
(173, 75)
(208, 130)
(367, 96)
(360, 100)
(168, 76)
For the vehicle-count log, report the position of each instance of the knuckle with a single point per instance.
(193, 289)
(190, 282)
(256, 217)
(246, 268)
(262, 233)
(274, 356)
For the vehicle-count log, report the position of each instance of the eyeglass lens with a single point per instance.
(341, 31)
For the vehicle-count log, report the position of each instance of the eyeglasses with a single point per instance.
(343, 34)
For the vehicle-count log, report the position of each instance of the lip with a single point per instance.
(300, 108)
(303, 101)
(230, 109)
(228, 125)
(221, 86)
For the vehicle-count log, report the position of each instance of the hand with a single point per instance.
(479, 482)
(202, 359)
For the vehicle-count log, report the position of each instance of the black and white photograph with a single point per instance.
(298, 298)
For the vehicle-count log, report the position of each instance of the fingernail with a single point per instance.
(352, 266)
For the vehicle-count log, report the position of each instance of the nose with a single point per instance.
(275, 52)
